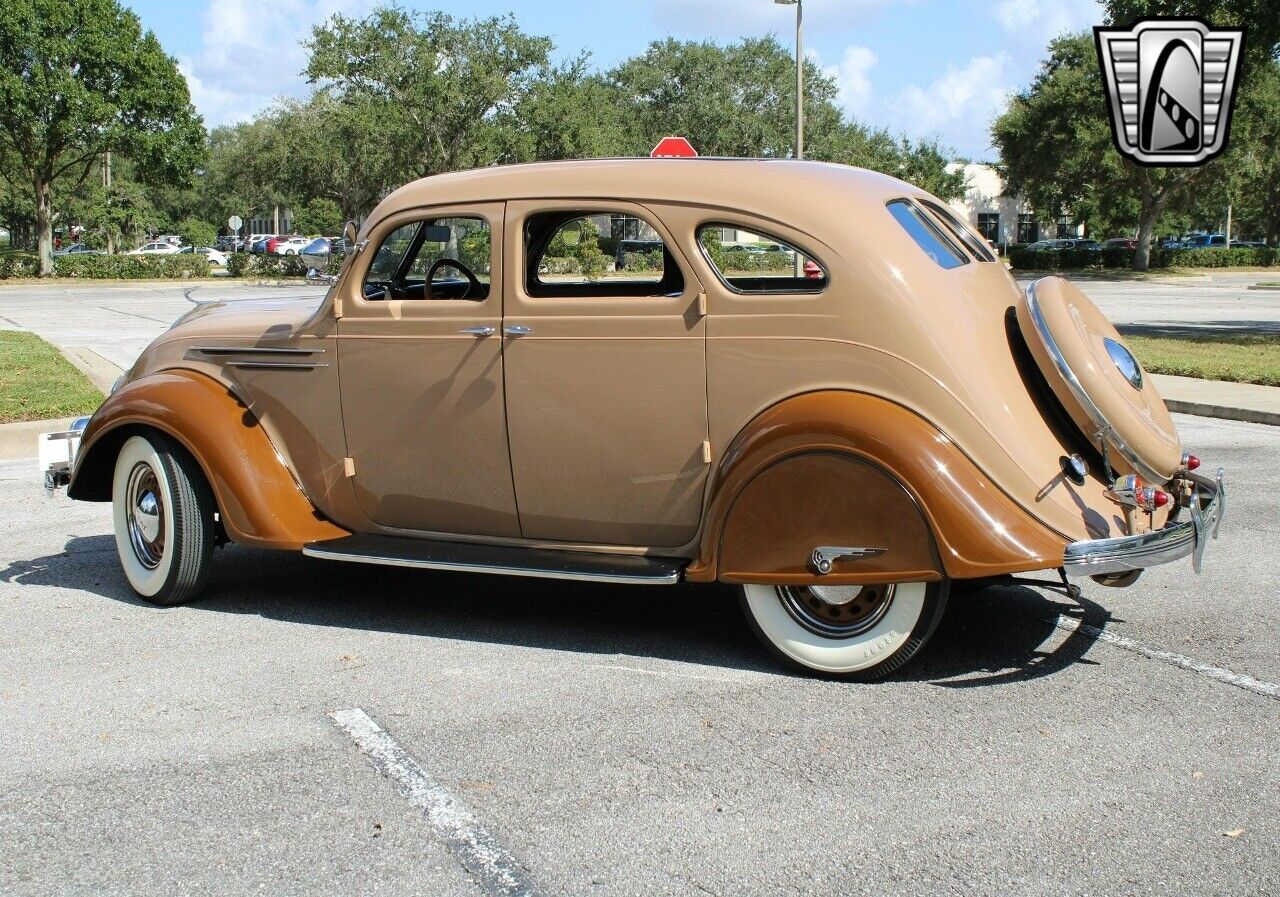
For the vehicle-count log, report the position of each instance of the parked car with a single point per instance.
(214, 256)
(77, 249)
(155, 247)
(289, 245)
(1122, 243)
(1205, 241)
(811, 440)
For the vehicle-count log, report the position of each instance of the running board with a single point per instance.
(470, 557)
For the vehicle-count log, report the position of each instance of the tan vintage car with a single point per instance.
(808, 379)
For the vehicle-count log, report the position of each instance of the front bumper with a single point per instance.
(1176, 540)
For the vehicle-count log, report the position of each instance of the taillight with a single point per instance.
(1131, 491)
(1190, 462)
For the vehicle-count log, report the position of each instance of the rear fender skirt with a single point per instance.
(976, 529)
(258, 498)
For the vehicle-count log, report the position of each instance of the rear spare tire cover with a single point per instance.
(1098, 380)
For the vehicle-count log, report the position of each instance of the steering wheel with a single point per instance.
(472, 281)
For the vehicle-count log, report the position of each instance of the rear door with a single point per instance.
(605, 376)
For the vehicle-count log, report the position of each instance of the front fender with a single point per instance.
(258, 498)
(774, 497)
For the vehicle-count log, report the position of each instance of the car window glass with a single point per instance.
(453, 247)
(752, 262)
(597, 253)
(974, 243)
(926, 234)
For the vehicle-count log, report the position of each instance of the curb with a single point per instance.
(1225, 412)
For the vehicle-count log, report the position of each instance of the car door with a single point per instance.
(605, 377)
(421, 374)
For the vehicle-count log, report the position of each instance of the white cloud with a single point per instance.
(251, 53)
(1041, 20)
(719, 18)
(958, 106)
(851, 73)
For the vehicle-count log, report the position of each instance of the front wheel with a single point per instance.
(848, 632)
(164, 519)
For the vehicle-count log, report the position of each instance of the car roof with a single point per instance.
(785, 189)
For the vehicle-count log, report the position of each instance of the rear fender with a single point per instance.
(852, 470)
(259, 500)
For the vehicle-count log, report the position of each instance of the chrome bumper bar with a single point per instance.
(1177, 539)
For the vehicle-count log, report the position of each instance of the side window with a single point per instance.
(977, 248)
(596, 253)
(456, 254)
(751, 262)
(926, 234)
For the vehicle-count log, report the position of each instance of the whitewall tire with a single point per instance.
(855, 632)
(163, 515)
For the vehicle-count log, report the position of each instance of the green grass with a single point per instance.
(1240, 358)
(37, 383)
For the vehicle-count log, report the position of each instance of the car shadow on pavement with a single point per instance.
(995, 635)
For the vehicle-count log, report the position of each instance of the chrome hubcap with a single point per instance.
(145, 516)
(837, 611)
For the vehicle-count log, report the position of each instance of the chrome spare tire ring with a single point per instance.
(145, 515)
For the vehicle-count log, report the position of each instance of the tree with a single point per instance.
(78, 80)
(1056, 150)
(195, 232)
(432, 87)
(318, 217)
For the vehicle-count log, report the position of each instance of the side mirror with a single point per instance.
(314, 276)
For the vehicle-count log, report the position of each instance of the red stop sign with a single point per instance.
(673, 148)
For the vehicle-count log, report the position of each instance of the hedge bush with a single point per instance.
(559, 264)
(246, 264)
(18, 264)
(1117, 257)
(131, 267)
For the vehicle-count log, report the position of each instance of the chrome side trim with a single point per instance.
(1091, 410)
(276, 365)
(1177, 539)
(254, 350)
(464, 567)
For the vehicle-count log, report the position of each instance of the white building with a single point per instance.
(1003, 219)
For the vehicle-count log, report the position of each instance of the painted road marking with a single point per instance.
(495, 871)
(1220, 674)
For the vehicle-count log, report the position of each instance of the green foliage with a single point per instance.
(642, 261)
(318, 217)
(79, 79)
(37, 383)
(245, 264)
(197, 233)
(1068, 259)
(132, 267)
(18, 264)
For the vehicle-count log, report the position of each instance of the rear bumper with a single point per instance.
(1178, 538)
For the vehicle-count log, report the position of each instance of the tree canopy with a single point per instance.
(78, 80)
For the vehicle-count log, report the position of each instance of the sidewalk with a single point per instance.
(1215, 398)
(19, 440)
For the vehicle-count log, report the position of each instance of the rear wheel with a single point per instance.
(854, 632)
(164, 519)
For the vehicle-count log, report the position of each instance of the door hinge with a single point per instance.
(706, 451)
(349, 466)
(702, 303)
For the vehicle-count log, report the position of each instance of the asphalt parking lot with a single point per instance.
(604, 740)
(618, 740)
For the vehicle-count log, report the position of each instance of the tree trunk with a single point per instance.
(1146, 224)
(44, 226)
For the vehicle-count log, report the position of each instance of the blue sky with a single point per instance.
(918, 67)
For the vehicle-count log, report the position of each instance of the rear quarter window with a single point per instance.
(927, 235)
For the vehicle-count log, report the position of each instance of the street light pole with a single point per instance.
(799, 5)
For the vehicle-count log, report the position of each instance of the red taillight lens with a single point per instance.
(1160, 499)
(1190, 462)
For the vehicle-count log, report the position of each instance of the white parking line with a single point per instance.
(495, 870)
(1239, 680)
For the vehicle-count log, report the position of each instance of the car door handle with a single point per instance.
(479, 331)
(517, 330)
